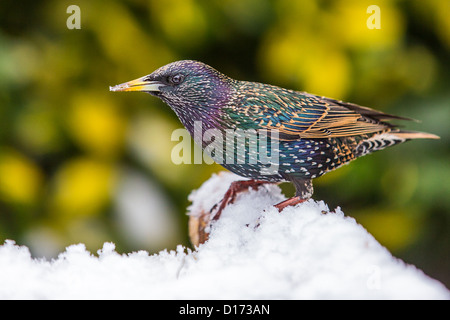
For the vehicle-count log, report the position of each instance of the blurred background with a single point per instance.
(81, 164)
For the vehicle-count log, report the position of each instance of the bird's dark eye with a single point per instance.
(176, 79)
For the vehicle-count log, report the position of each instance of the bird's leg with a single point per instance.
(235, 188)
(289, 202)
(303, 191)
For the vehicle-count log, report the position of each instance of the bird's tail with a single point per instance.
(408, 135)
(386, 139)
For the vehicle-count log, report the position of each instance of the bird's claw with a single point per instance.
(235, 188)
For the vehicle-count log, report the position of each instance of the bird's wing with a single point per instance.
(303, 115)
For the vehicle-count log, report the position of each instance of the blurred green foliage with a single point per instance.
(66, 142)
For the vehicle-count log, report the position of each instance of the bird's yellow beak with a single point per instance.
(138, 85)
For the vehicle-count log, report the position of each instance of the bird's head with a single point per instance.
(183, 84)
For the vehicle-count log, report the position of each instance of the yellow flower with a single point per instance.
(21, 180)
(97, 125)
(83, 187)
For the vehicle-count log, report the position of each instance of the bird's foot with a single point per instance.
(235, 188)
(289, 202)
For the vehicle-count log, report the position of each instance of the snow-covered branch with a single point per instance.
(253, 252)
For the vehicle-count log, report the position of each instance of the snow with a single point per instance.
(253, 252)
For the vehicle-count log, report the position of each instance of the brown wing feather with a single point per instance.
(338, 120)
(302, 115)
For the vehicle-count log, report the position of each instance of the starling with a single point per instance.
(312, 134)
